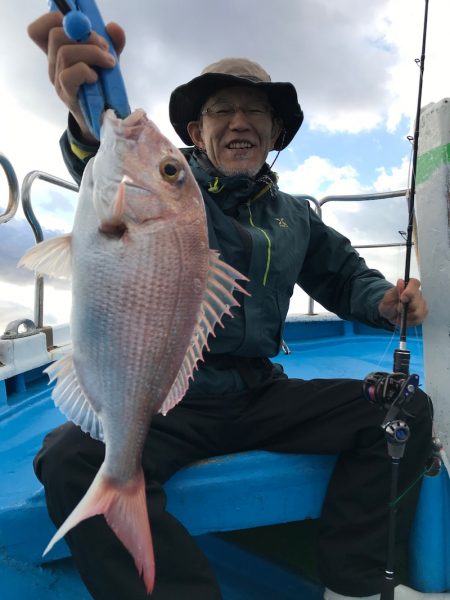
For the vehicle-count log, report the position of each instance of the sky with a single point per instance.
(353, 65)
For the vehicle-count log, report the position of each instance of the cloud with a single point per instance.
(403, 28)
(16, 239)
(334, 52)
(17, 302)
(321, 178)
(394, 178)
(54, 198)
(11, 311)
(351, 61)
(375, 221)
(17, 285)
(339, 121)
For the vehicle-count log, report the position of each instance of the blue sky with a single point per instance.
(351, 61)
(366, 151)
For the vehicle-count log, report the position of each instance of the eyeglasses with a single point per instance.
(224, 110)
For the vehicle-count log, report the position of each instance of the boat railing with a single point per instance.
(13, 188)
(43, 343)
(27, 184)
(318, 204)
(33, 176)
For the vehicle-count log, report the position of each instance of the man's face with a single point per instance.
(236, 141)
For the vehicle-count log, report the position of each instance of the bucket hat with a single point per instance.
(186, 100)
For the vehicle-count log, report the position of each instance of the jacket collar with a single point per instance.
(228, 191)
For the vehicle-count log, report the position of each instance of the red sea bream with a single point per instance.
(147, 291)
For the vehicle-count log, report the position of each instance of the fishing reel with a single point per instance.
(387, 389)
(390, 391)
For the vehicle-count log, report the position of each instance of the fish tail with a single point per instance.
(125, 510)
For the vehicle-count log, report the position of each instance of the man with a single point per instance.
(234, 115)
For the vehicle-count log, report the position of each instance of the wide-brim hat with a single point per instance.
(186, 101)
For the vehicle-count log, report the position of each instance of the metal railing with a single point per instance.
(318, 204)
(26, 327)
(37, 230)
(13, 187)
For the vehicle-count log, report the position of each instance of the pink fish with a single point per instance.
(147, 291)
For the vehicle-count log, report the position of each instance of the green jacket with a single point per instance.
(277, 241)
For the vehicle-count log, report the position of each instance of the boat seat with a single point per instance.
(232, 492)
(223, 493)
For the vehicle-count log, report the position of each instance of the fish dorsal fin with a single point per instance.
(52, 257)
(70, 398)
(217, 300)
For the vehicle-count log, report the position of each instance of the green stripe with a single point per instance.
(269, 244)
(429, 161)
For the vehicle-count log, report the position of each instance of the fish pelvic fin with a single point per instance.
(52, 257)
(70, 398)
(124, 507)
(217, 301)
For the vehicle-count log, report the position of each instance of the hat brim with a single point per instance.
(187, 100)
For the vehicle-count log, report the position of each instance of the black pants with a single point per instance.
(283, 415)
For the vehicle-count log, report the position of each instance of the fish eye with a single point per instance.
(171, 170)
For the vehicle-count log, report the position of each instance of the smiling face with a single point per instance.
(236, 141)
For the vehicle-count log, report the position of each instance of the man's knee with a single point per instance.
(64, 450)
(421, 410)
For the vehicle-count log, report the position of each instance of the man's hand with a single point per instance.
(391, 305)
(70, 64)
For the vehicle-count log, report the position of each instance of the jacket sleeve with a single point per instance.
(335, 275)
(76, 155)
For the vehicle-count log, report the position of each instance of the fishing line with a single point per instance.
(408, 489)
(388, 346)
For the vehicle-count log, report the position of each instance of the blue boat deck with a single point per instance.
(249, 489)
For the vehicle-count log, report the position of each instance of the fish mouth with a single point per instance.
(131, 119)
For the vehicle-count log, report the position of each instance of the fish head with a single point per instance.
(140, 177)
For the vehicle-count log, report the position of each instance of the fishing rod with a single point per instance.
(401, 354)
(392, 390)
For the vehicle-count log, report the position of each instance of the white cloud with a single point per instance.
(403, 26)
(319, 177)
(17, 302)
(393, 178)
(159, 113)
(29, 140)
(351, 61)
(345, 121)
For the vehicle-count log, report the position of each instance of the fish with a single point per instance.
(147, 291)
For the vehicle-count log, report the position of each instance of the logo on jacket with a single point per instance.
(281, 222)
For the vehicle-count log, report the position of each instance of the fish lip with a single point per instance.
(135, 118)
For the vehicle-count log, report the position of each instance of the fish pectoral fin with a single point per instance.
(114, 225)
(52, 257)
(218, 300)
(125, 510)
(69, 397)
